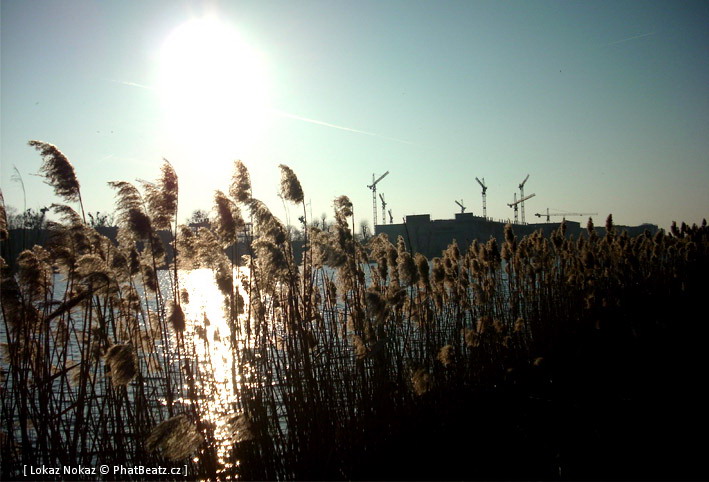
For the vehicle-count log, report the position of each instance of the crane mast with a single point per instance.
(516, 203)
(384, 208)
(373, 187)
(482, 185)
(521, 195)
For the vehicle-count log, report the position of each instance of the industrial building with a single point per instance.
(430, 237)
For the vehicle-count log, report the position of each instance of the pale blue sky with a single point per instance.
(604, 104)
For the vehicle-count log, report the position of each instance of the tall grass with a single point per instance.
(519, 360)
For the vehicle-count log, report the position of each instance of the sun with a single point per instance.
(213, 89)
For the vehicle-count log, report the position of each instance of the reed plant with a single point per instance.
(92, 365)
(518, 358)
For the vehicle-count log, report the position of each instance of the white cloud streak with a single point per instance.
(291, 116)
(133, 84)
(335, 126)
(630, 38)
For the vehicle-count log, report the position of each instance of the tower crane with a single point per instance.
(482, 185)
(521, 195)
(373, 187)
(391, 218)
(462, 208)
(516, 203)
(384, 208)
(563, 214)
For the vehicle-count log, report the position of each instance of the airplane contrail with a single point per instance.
(335, 126)
(132, 84)
(630, 38)
(291, 116)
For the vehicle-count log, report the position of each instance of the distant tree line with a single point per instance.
(37, 218)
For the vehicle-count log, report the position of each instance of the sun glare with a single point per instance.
(213, 88)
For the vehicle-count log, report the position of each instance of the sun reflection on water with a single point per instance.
(218, 377)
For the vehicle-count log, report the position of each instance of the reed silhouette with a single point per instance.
(545, 358)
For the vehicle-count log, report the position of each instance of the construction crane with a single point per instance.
(482, 185)
(462, 208)
(548, 214)
(373, 187)
(384, 208)
(391, 218)
(516, 203)
(521, 195)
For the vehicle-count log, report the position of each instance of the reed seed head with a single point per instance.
(128, 196)
(423, 268)
(445, 355)
(229, 218)
(422, 381)
(90, 265)
(122, 364)
(343, 209)
(408, 272)
(493, 251)
(267, 224)
(184, 296)
(4, 235)
(224, 277)
(360, 348)
(240, 428)
(150, 277)
(396, 296)
(375, 304)
(176, 317)
(290, 186)
(139, 223)
(509, 233)
(271, 259)
(68, 215)
(588, 260)
(58, 171)
(498, 326)
(161, 197)
(506, 252)
(439, 271)
(470, 337)
(240, 188)
(176, 437)
(35, 271)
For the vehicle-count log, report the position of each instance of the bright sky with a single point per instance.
(604, 104)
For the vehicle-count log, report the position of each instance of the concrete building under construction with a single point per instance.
(431, 237)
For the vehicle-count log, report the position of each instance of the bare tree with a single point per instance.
(198, 217)
(101, 220)
(323, 224)
(28, 219)
(364, 230)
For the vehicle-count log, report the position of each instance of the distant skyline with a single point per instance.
(604, 104)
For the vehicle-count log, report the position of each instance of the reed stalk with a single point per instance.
(359, 361)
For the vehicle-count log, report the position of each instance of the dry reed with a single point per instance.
(359, 361)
